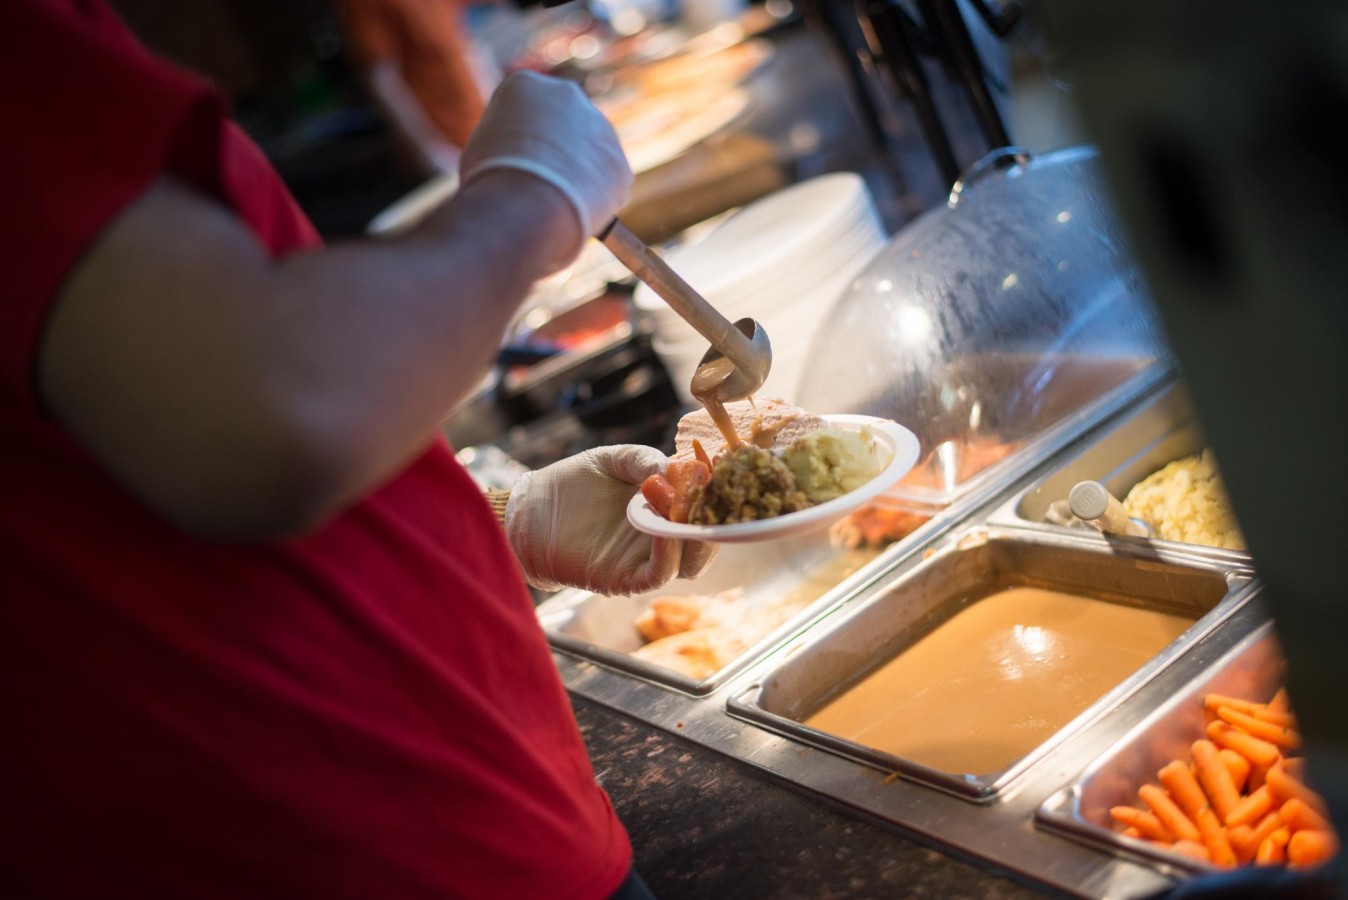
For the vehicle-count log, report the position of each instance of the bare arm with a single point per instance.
(244, 398)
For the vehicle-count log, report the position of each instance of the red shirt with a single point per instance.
(369, 711)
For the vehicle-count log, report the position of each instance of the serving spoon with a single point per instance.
(740, 356)
(1092, 502)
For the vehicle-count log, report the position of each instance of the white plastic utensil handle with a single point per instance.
(1092, 503)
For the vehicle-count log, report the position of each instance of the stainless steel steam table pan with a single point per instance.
(1252, 669)
(806, 573)
(1160, 430)
(903, 609)
(1000, 828)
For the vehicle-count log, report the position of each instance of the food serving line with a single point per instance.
(1027, 819)
(1083, 393)
(1010, 331)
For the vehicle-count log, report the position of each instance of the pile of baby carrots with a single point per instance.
(1240, 798)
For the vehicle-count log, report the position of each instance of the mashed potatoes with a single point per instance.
(830, 462)
(1186, 501)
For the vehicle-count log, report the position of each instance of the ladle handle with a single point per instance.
(719, 331)
(1092, 502)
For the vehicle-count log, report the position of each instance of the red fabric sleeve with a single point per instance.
(92, 120)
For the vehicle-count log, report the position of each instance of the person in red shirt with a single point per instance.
(418, 59)
(260, 634)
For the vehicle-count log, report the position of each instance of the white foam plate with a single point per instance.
(794, 227)
(900, 443)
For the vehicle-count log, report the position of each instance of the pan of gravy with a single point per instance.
(998, 678)
(966, 668)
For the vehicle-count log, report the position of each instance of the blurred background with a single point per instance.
(763, 94)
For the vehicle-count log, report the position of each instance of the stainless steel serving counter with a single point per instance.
(996, 818)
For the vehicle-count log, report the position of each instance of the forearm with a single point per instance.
(243, 397)
(391, 334)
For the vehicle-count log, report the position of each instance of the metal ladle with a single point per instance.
(744, 343)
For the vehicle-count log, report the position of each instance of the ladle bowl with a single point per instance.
(747, 376)
(744, 344)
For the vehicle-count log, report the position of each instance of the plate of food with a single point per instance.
(788, 472)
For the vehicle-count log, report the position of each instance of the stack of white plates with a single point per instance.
(782, 260)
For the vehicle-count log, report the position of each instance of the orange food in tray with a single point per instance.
(893, 517)
(1240, 798)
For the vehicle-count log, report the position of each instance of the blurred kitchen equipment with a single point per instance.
(704, 14)
(724, 173)
(490, 466)
(891, 51)
(408, 211)
(1093, 504)
(782, 261)
(628, 401)
(743, 343)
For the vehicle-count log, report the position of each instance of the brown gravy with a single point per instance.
(706, 380)
(997, 679)
(764, 436)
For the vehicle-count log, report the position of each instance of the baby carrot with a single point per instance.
(1131, 832)
(1278, 735)
(684, 475)
(1237, 765)
(1267, 825)
(700, 453)
(1252, 808)
(1273, 850)
(659, 493)
(1280, 701)
(1287, 787)
(1307, 848)
(1215, 779)
(1260, 753)
(1214, 838)
(1256, 779)
(1191, 849)
(1242, 841)
(1276, 716)
(1214, 702)
(1174, 819)
(1183, 787)
(1301, 816)
(1147, 824)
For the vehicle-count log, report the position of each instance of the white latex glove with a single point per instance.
(567, 524)
(549, 128)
